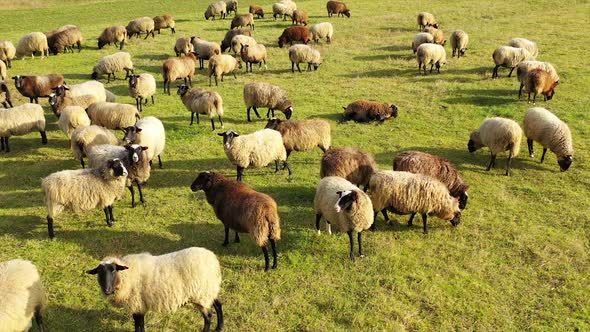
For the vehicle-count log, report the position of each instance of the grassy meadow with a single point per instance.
(518, 261)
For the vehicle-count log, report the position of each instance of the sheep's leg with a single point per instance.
(226, 238)
(110, 208)
(132, 191)
(107, 217)
(256, 112)
(276, 166)
(160, 161)
(192, 118)
(508, 162)
(273, 246)
(1, 143)
(374, 220)
(431, 67)
(425, 222)
(529, 142)
(308, 66)
(50, 227)
(511, 70)
(266, 263)
(43, 137)
(237, 238)
(529, 98)
(520, 91)
(318, 217)
(220, 120)
(152, 100)
(216, 80)
(438, 67)
(492, 162)
(147, 35)
(7, 148)
(212, 124)
(198, 120)
(534, 98)
(288, 168)
(495, 71)
(454, 49)
(248, 113)
(165, 81)
(137, 104)
(81, 162)
(219, 312)
(240, 173)
(543, 155)
(140, 192)
(206, 318)
(360, 245)
(351, 240)
(138, 319)
(39, 319)
(298, 69)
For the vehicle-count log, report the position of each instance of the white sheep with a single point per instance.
(459, 41)
(284, 8)
(58, 103)
(426, 19)
(31, 43)
(139, 25)
(3, 71)
(222, 64)
(21, 120)
(421, 38)
(322, 30)
(7, 52)
(547, 129)
(238, 40)
(526, 44)
(148, 132)
(437, 35)
(120, 61)
(141, 283)
(142, 87)
(215, 9)
(23, 296)
(199, 101)
(84, 137)
(252, 54)
(71, 118)
(509, 57)
(94, 88)
(205, 50)
(113, 115)
(431, 54)
(261, 94)
(498, 134)
(299, 53)
(183, 46)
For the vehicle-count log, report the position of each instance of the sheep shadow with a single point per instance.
(290, 195)
(484, 97)
(81, 77)
(372, 57)
(195, 166)
(75, 319)
(380, 73)
(393, 48)
(330, 116)
(399, 29)
(150, 56)
(29, 172)
(23, 227)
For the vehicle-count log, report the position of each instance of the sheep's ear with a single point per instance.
(344, 108)
(143, 148)
(94, 271)
(138, 130)
(120, 267)
(221, 134)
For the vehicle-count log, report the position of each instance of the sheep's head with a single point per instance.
(463, 200)
(101, 44)
(130, 134)
(134, 152)
(107, 276)
(282, 41)
(133, 81)
(456, 219)
(565, 163)
(228, 137)
(183, 89)
(393, 110)
(94, 75)
(346, 12)
(474, 142)
(116, 167)
(345, 200)
(288, 111)
(549, 94)
(18, 81)
(273, 123)
(60, 90)
(203, 181)
(435, 25)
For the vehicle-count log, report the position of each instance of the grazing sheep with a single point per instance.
(526, 44)
(205, 50)
(5, 95)
(253, 54)
(222, 64)
(498, 134)
(437, 35)
(239, 40)
(425, 20)
(431, 54)
(58, 103)
(295, 34)
(120, 61)
(322, 30)
(342, 203)
(71, 118)
(34, 87)
(83, 190)
(7, 52)
(284, 8)
(303, 53)
(164, 22)
(142, 87)
(93, 88)
(302, 135)
(84, 137)
(544, 127)
(141, 283)
(300, 17)
(524, 67)
(436, 167)
(140, 25)
(242, 20)
(509, 57)
(367, 111)
(113, 115)
(256, 10)
(175, 68)
(60, 41)
(539, 81)
(409, 193)
(183, 46)
(3, 71)
(232, 6)
(421, 38)
(337, 7)
(23, 296)
(148, 132)
(257, 149)
(115, 34)
(31, 43)
(199, 101)
(352, 164)
(260, 94)
(243, 210)
(215, 9)
(21, 120)
(226, 42)
(459, 41)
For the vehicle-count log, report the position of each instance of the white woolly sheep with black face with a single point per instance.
(107, 276)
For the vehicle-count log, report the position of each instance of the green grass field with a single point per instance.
(518, 261)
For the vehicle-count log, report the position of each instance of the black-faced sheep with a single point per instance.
(302, 135)
(222, 64)
(93, 88)
(539, 81)
(498, 134)
(84, 137)
(252, 54)
(431, 54)
(175, 68)
(337, 7)
(367, 111)
(164, 22)
(59, 102)
(242, 20)
(425, 20)
(115, 34)
(260, 94)
(120, 61)
(295, 34)
(524, 67)
(59, 42)
(142, 87)
(140, 25)
(256, 10)
(21, 120)
(199, 101)
(322, 30)
(548, 130)
(34, 87)
(31, 43)
(352, 164)
(509, 57)
(216, 9)
(459, 41)
(226, 42)
(303, 53)
(148, 132)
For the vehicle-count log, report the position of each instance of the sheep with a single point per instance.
(71, 118)
(164, 22)
(205, 49)
(321, 30)
(21, 120)
(367, 111)
(7, 52)
(284, 8)
(352, 164)
(437, 35)
(425, 20)
(93, 88)
(141, 283)
(337, 7)
(498, 134)
(526, 44)
(302, 135)
(432, 54)
(342, 203)
(436, 167)
(299, 16)
(226, 42)
(239, 40)
(295, 34)
(217, 8)
(261, 94)
(222, 64)
(183, 46)
(256, 10)
(253, 54)
(175, 68)
(509, 57)
(539, 81)
(232, 6)
(23, 296)
(83, 190)
(526, 66)
(3, 71)
(115, 34)
(142, 87)
(37, 86)
(113, 115)
(243, 210)
(62, 40)
(134, 158)
(58, 103)
(5, 95)
(544, 127)
(409, 193)
(242, 20)
(120, 61)
(257, 149)
(303, 53)
(31, 43)
(199, 101)
(148, 132)
(140, 25)
(459, 41)
(84, 137)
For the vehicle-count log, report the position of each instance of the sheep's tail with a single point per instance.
(274, 227)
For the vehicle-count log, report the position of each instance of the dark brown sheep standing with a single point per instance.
(352, 164)
(300, 17)
(226, 42)
(337, 7)
(367, 111)
(256, 10)
(539, 81)
(60, 41)
(37, 86)
(295, 34)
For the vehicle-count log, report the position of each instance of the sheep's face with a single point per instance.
(346, 12)
(228, 137)
(202, 182)
(345, 200)
(288, 112)
(281, 42)
(117, 168)
(565, 163)
(474, 142)
(18, 81)
(456, 219)
(393, 111)
(183, 89)
(463, 200)
(101, 44)
(94, 75)
(107, 276)
(133, 81)
(52, 99)
(55, 50)
(130, 134)
(134, 152)
(273, 123)
(60, 90)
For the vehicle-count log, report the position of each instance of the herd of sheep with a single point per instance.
(420, 183)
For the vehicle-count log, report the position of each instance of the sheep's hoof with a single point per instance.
(532, 155)
(225, 244)
(362, 256)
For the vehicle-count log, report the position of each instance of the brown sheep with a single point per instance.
(352, 164)
(179, 67)
(302, 135)
(337, 7)
(226, 42)
(163, 22)
(367, 111)
(539, 81)
(37, 86)
(299, 16)
(243, 210)
(293, 34)
(242, 20)
(256, 10)
(62, 40)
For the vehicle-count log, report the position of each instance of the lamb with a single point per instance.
(303, 53)
(260, 94)
(215, 9)
(421, 38)
(142, 87)
(256, 10)
(205, 49)
(23, 296)
(31, 43)
(459, 41)
(544, 127)
(140, 25)
(409, 193)
(148, 132)
(300, 17)
(539, 81)
(242, 20)
(322, 30)
(498, 134)
(431, 54)
(115, 34)
(232, 6)
(243, 210)
(526, 66)
(295, 34)
(367, 111)
(302, 135)
(5, 95)
(239, 40)
(37, 86)
(337, 7)
(226, 42)
(284, 8)
(425, 20)
(93, 88)
(7, 52)
(342, 203)
(526, 44)
(183, 46)
(71, 118)
(253, 54)
(113, 115)
(21, 120)
(62, 40)
(222, 64)
(352, 164)
(58, 103)
(84, 137)
(83, 190)
(199, 101)
(509, 57)
(120, 61)
(141, 283)
(175, 68)
(164, 22)
(439, 37)
(255, 150)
